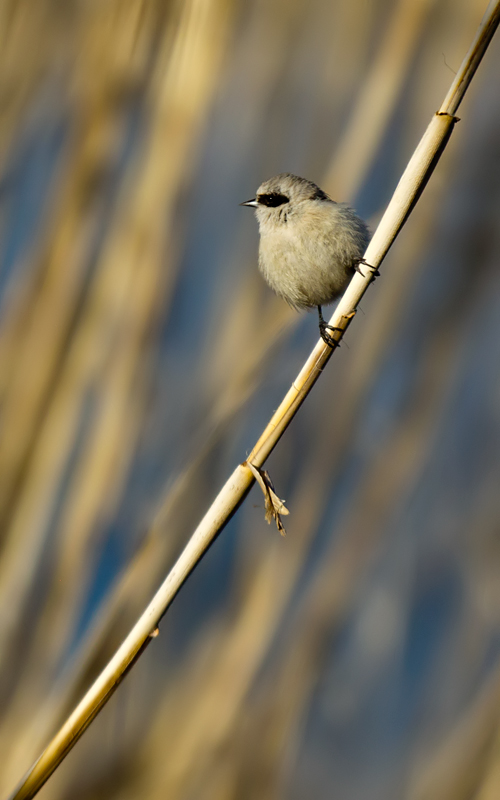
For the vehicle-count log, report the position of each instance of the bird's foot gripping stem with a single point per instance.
(374, 270)
(324, 329)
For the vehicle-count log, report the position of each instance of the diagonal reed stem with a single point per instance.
(233, 493)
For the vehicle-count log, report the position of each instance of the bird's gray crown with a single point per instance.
(286, 187)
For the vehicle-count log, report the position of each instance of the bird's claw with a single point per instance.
(329, 340)
(357, 268)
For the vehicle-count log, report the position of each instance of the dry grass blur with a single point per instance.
(140, 353)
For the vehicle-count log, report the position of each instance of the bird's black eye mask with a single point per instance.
(272, 199)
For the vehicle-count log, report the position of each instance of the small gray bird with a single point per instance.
(309, 245)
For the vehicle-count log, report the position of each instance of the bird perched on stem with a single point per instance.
(309, 245)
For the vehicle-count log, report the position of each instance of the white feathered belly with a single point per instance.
(306, 270)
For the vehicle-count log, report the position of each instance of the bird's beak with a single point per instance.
(252, 203)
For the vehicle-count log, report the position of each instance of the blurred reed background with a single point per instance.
(141, 354)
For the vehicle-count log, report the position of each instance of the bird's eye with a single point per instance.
(272, 199)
